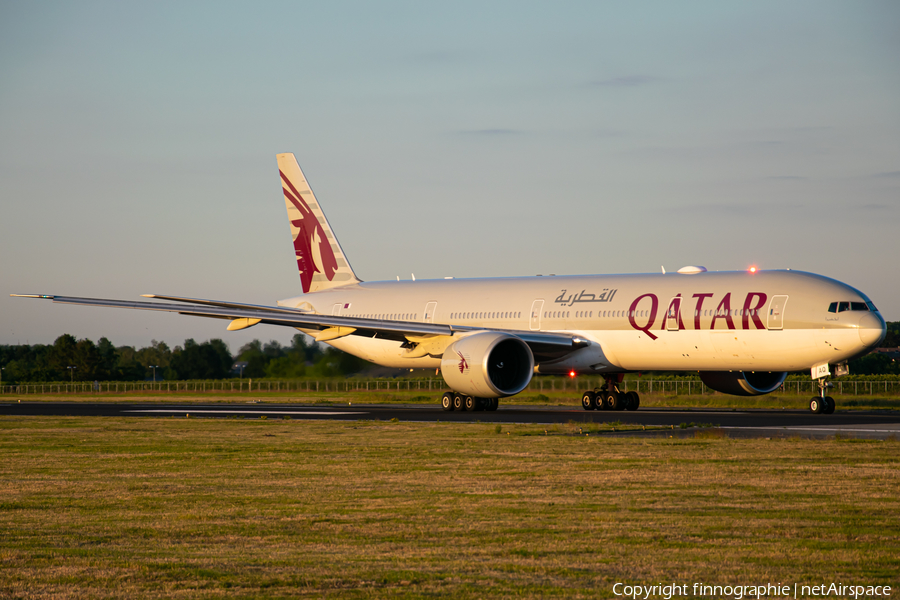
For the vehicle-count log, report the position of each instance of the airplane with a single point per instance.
(742, 331)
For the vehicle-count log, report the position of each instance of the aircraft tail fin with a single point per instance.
(320, 259)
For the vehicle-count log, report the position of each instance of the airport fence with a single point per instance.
(538, 385)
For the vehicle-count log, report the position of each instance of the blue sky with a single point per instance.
(138, 142)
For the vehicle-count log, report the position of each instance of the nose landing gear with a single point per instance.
(822, 404)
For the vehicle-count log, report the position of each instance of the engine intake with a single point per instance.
(488, 365)
(743, 383)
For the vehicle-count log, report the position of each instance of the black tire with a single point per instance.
(829, 405)
(816, 404)
(447, 401)
(493, 403)
(613, 401)
(600, 400)
(471, 403)
(458, 402)
(634, 401)
(588, 400)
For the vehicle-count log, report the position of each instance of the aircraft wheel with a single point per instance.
(634, 401)
(458, 402)
(493, 403)
(815, 405)
(447, 401)
(613, 401)
(587, 400)
(471, 403)
(829, 405)
(599, 402)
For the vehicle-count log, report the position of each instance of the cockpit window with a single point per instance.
(836, 307)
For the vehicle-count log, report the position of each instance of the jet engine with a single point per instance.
(743, 383)
(488, 365)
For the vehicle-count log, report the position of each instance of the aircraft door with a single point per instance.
(430, 309)
(776, 312)
(673, 318)
(336, 309)
(536, 308)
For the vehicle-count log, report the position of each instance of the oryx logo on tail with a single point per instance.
(320, 260)
(311, 246)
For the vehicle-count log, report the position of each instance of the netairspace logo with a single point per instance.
(740, 592)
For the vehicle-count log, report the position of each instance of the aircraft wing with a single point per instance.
(544, 346)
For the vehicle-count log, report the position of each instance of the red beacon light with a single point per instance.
(572, 373)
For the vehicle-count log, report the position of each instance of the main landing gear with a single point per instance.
(822, 404)
(453, 401)
(608, 397)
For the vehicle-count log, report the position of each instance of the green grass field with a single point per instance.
(185, 508)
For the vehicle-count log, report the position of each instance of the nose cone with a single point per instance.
(872, 329)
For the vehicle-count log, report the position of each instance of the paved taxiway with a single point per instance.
(745, 423)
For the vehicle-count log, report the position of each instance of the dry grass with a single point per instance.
(170, 508)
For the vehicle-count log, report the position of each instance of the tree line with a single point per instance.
(83, 360)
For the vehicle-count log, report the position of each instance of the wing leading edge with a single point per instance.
(544, 346)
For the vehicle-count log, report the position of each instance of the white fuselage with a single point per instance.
(715, 321)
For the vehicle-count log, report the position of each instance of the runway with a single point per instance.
(679, 422)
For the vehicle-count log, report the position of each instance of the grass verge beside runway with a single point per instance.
(283, 508)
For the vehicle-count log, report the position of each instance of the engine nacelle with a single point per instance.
(488, 365)
(743, 383)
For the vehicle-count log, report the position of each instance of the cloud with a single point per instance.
(787, 178)
(498, 131)
(626, 81)
(735, 209)
(887, 175)
(608, 133)
(436, 57)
